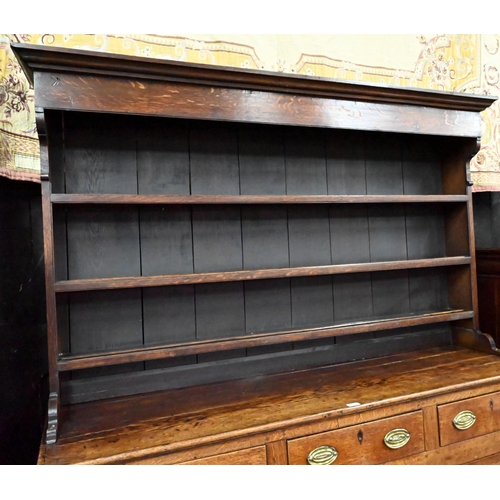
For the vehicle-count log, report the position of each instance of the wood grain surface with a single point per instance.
(165, 422)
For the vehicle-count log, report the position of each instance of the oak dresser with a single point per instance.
(255, 268)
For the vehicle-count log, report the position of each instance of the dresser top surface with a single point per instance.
(172, 419)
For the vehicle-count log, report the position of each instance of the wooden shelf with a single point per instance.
(73, 362)
(158, 199)
(193, 279)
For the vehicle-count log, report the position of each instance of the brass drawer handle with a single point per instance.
(396, 438)
(464, 420)
(323, 455)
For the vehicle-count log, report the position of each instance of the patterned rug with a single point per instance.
(458, 63)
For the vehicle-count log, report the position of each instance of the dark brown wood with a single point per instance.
(178, 100)
(52, 332)
(305, 355)
(101, 417)
(36, 58)
(236, 409)
(488, 291)
(455, 179)
(472, 246)
(225, 235)
(488, 284)
(190, 279)
(232, 325)
(167, 199)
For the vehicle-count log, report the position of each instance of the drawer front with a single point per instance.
(473, 417)
(362, 444)
(251, 456)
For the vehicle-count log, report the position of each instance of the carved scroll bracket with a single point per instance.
(44, 150)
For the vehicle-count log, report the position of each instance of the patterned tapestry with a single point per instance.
(458, 63)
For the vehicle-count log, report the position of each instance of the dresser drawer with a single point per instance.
(251, 456)
(469, 418)
(256, 455)
(362, 444)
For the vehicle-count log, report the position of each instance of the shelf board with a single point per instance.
(74, 362)
(79, 285)
(164, 199)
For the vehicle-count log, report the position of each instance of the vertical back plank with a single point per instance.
(220, 310)
(262, 162)
(265, 237)
(105, 320)
(267, 306)
(162, 156)
(100, 153)
(312, 302)
(166, 240)
(345, 160)
(169, 315)
(214, 158)
(103, 242)
(305, 162)
(349, 233)
(421, 165)
(391, 295)
(352, 297)
(387, 233)
(428, 290)
(217, 242)
(384, 174)
(425, 232)
(309, 236)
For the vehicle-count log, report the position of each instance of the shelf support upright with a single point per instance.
(48, 246)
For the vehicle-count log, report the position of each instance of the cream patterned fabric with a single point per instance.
(458, 63)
